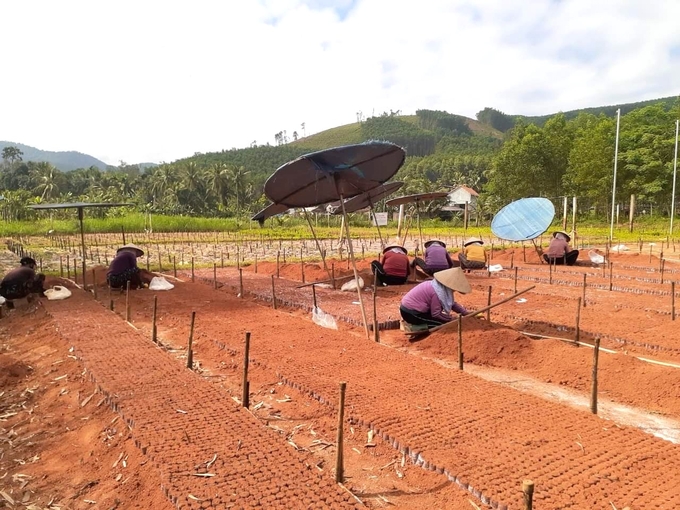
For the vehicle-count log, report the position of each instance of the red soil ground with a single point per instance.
(485, 437)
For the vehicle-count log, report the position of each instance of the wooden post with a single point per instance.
(278, 256)
(245, 384)
(631, 214)
(148, 261)
(593, 392)
(564, 214)
(240, 283)
(314, 295)
(577, 336)
(650, 254)
(573, 217)
(376, 332)
(214, 276)
(673, 301)
(333, 275)
(255, 264)
(190, 350)
(174, 265)
(94, 283)
(192, 269)
(127, 301)
(302, 266)
(528, 491)
(512, 260)
(550, 270)
(524, 252)
(611, 276)
(663, 265)
(75, 271)
(274, 294)
(460, 342)
(154, 330)
(584, 290)
(465, 216)
(221, 259)
(61, 267)
(339, 459)
(110, 300)
(160, 262)
(488, 303)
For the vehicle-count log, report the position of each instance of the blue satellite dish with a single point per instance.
(523, 220)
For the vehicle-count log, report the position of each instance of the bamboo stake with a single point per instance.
(663, 265)
(611, 273)
(488, 304)
(278, 255)
(584, 289)
(354, 265)
(192, 269)
(240, 283)
(460, 342)
(333, 274)
(673, 301)
(339, 459)
(127, 302)
(174, 265)
(578, 323)
(94, 283)
(274, 294)
(376, 332)
(61, 267)
(190, 349)
(154, 330)
(516, 268)
(314, 295)
(110, 300)
(593, 392)
(214, 276)
(528, 491)
(245, 385)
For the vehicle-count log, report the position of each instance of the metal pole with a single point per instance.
(675, 171)
(616, 158)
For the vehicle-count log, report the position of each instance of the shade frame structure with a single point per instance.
(80, 206)
(369, 198)
(419, 197)
(334, 174)
(524, 219)
(269, 211)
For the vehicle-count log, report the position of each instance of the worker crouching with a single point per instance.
(436, 258)
(22, 282)
(432, 302)
(473, 255)
(559, 251)
(123, 268)
(393, 269)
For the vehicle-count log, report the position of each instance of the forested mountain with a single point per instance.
(64, 161)
(565, 155)
(503, 122)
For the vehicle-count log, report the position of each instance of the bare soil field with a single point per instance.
(418, 432)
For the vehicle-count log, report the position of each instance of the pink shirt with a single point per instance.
(558, 248)
(422, 298)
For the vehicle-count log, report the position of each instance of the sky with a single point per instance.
(154, 81)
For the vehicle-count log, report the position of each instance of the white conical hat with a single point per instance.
(454, 279)
(132, 247)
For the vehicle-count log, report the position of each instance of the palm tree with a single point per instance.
(218, 181)
(239, 176)
(46, 176)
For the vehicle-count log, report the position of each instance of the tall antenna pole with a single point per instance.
(675, 172)
(616, 160)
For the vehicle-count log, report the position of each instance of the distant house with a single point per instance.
(459, 197)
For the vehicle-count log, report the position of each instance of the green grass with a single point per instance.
(648, 229)
(341, 135)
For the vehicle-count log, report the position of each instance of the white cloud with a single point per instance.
(159, 80)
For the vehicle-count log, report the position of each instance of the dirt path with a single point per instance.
(485, 437)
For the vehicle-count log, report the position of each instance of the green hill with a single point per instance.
(63, 160)
(503, 122)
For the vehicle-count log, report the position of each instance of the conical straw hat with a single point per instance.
(432, 241)
(131, 247)
(454, 279)
(473, 240)
(401, 248)
(563, 233)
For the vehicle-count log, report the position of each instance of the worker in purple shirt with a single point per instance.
(436, 258)
(124, 268)
(22, 282)
(431, 302)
